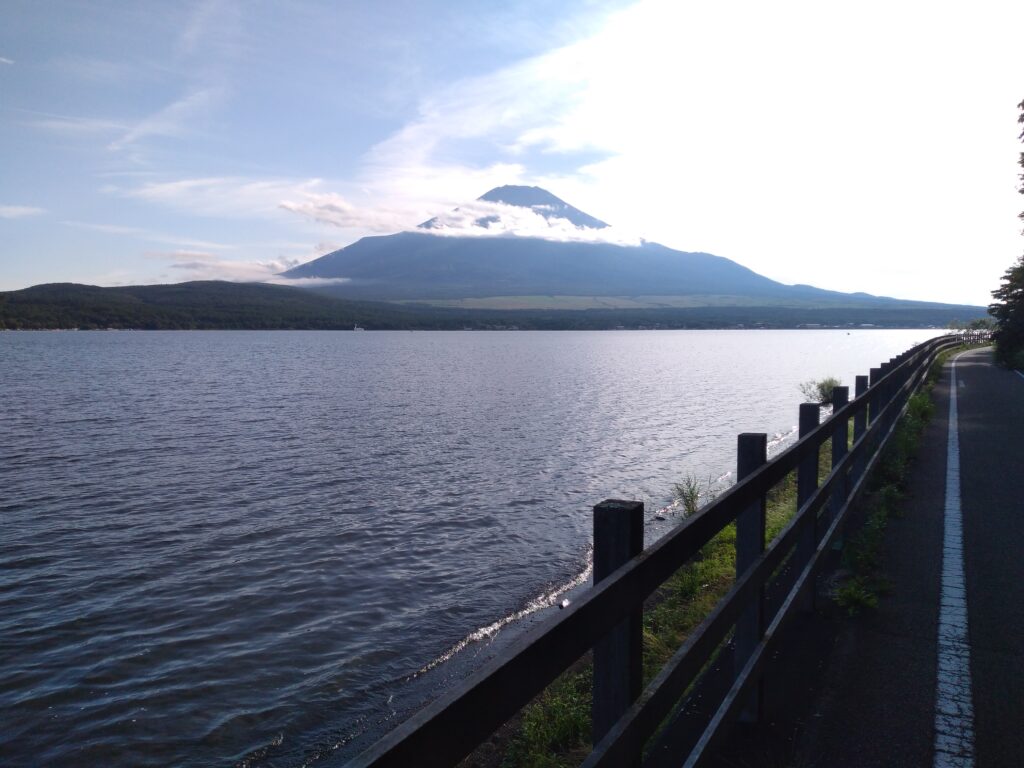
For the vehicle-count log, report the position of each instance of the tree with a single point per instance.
(1008, 309)
(1009, 314)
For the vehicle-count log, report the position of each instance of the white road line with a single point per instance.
(1019, 374)
(954, 711)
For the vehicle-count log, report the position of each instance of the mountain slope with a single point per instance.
(533, 199)
(519, 241)
(412, 265)
(542, 201)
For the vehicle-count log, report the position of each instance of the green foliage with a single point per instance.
(220, 305)
(189, 306)
(1008, 308)
(820, 391)
(862, 555)
(545, 740)
(688, 493)
(555, 729)
(855, 596)
(863, 552)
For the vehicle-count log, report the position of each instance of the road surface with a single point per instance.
(899, 692)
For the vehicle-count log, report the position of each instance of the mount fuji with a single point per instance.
(518, 246)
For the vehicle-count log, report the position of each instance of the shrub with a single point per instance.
(820, 391)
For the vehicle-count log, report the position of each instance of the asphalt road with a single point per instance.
(879, 700)
(991, 404)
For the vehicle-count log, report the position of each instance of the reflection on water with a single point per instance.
(242, 547)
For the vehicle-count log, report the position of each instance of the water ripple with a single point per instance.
(267, 548)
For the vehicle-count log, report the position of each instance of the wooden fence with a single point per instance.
(608, 618)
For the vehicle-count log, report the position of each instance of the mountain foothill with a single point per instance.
(517, 257)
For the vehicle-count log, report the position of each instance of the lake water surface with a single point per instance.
(249, 548)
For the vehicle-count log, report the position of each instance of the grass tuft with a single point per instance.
(555, 728)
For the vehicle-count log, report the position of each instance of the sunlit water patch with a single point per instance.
(268, 548)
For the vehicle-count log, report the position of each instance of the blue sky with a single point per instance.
(869, 147)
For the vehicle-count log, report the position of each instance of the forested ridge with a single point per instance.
(252, 306)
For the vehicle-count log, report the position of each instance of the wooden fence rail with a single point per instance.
(607, 617)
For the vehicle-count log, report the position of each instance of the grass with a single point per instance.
(688, 492)
(555, 728)
(862, 555)
(883, 500)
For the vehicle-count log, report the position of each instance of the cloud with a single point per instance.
(425, 166)
(70, 125)
(751, 134)
(473, 219)
(146, 234)
(202, 265)
(213, 24)
(19, 211)
(225, 196)
(172, 120)
(307, 282)
(98, 70)
(333, 209)
(482, 218)
(5, 60)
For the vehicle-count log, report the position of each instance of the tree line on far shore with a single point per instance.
(235, 306)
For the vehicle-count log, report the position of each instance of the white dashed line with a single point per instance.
(954, 712)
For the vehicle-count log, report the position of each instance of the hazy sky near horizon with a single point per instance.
(867, 147)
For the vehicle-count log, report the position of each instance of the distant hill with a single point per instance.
(524, 247)
(230, 306)
(195, 305)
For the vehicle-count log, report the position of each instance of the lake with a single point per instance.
(265, 548)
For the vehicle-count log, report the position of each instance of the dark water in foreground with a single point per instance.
(241, 548)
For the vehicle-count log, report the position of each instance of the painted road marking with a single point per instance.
(1019, 374)
(954, 711)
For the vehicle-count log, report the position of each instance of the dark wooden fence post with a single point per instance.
(840, 436)
(874, 400)
(888, 394)
(751, 454)
(618, 657)
(860, 425)
(806, 483)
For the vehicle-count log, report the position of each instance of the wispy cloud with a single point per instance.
(282, 199)
(333, 209)
(5, 60)
(211, 23)
(99, 70)
(225, 196)
(306, 282)
(148, 235)
(202, 265)
(19, 211)
(72, 125)
(173, 120)
(479, 132)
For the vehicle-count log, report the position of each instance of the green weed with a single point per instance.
(555, 728)
(820, 391)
